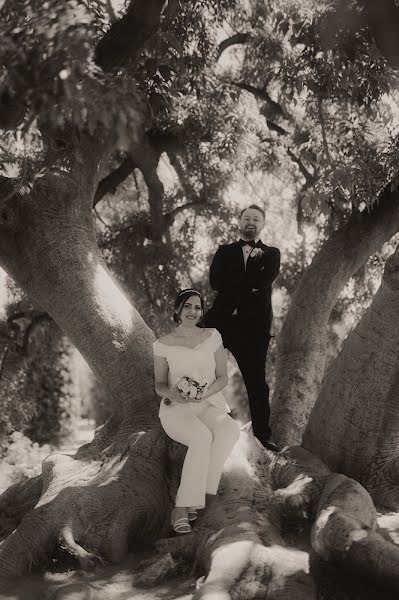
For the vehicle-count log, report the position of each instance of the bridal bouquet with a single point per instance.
(190, 388)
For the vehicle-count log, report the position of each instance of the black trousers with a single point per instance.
(249, 346)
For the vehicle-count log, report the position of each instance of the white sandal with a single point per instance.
(181, 525)
(192, 514)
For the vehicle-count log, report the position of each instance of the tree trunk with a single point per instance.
(48, 245)
(354, 426)
(302, 343)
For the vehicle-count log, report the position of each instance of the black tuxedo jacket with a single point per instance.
(235, 287)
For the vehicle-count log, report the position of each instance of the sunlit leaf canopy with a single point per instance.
(319, 80)
(336, 94)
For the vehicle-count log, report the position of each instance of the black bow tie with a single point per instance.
(250, 243)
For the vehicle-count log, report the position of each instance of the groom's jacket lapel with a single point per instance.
(238, 257)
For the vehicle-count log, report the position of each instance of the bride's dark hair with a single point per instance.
(180, 300)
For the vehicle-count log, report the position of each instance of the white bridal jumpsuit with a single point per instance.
(204, 427)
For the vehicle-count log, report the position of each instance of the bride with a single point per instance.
(194, 413)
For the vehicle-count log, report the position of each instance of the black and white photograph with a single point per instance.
(199, 299)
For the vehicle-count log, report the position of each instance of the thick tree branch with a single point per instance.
(309, 178)
(146, 158)
(274, 127)
(271, 108)
(110, 183)
(159, 142)
(196, 201)
(127, 36)
(237, 38)
(171, 141)
(195, 205)
(184, 182)
(301, 350)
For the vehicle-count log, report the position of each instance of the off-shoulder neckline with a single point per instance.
(187, 347)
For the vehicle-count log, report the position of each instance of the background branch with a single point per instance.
(237, 38)
(110, 183)
(262, 94)
(146, 158)
(309, 178)
(195, 205)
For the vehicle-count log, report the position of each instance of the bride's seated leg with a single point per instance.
(185, 427)
(225, 434)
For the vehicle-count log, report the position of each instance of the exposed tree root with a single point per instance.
(16, 501)
(345, 533)
(96, 508)
(93, 508)
(239, 541)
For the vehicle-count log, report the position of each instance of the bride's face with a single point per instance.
(191, 311)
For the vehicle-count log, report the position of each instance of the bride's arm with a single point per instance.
(162, 388)
(220, 373)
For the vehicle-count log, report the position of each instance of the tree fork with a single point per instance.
(302, 343)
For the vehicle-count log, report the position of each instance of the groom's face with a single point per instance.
(251, 223)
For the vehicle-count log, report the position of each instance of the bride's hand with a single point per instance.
(175, 395)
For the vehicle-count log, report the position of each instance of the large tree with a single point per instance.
(118, 489)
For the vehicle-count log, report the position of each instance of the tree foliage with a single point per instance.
(38, 388)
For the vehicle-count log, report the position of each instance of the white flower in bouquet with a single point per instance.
(193, 391)
(184, 385)
(190, 388)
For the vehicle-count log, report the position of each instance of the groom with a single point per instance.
(242, 274)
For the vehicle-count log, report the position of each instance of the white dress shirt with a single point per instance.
(246, 250)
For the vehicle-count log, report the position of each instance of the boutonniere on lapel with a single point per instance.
(256, 253)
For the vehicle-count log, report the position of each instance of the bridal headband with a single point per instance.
(187, 291)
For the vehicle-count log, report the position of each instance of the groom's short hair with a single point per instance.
(255, 207)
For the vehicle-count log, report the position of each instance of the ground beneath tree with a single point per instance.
(112, 582)
(119, 582)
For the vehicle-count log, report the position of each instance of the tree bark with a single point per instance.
(302, 344)
(48, 245)
(354, 426)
